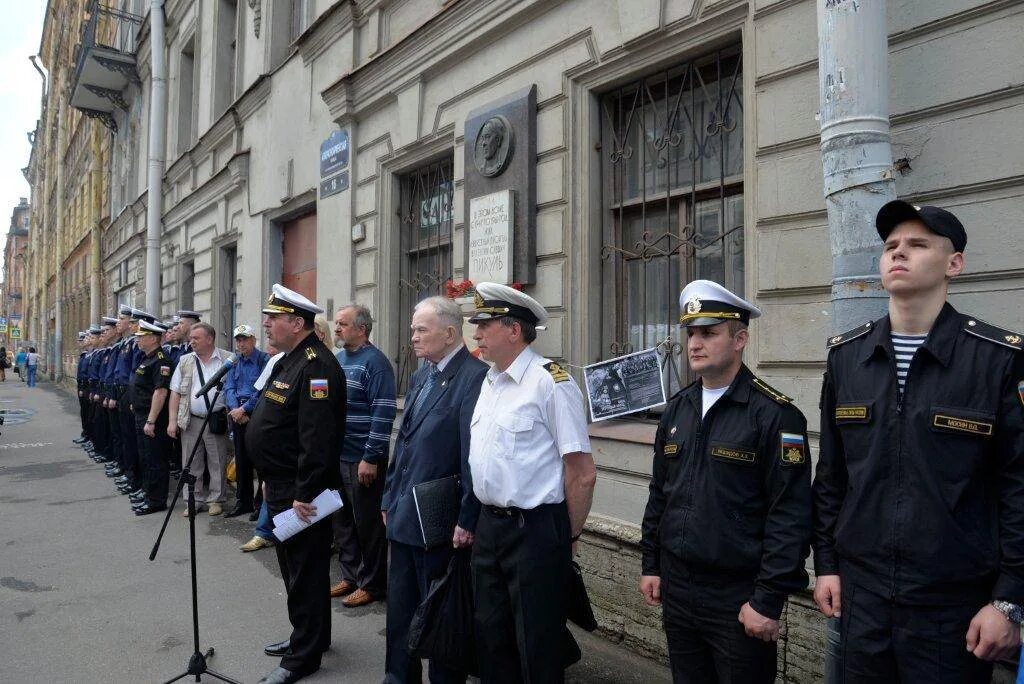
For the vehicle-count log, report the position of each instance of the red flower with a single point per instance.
(453, 290)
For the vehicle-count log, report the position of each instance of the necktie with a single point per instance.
(428, 387)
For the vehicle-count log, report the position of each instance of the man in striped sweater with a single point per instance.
(919, 487)
(359, 529)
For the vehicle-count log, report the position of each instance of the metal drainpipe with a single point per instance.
(856, 157)
(853, 79)
(157, 152)
(57, 370)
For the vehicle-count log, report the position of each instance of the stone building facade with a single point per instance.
(68, 172)
(666, 140)
(12, 287)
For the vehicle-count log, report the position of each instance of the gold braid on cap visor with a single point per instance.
(723, 315)
(277, 308)
(503, 310)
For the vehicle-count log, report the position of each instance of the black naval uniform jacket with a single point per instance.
(730, 493)
(153, 373)
(296, 430)
(920, 497)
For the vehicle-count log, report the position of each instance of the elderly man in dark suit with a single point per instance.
(432, 443)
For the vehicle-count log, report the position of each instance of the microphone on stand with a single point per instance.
(218, 376)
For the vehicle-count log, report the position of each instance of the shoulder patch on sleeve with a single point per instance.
(558, 374)
(165, 370)
(992, 333)
(318, 388)
(792, 448)
(842, 338)
(772, 393)
(310, 353)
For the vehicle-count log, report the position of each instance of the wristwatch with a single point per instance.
(1012, 611)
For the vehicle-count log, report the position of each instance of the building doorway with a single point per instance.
(298, 255)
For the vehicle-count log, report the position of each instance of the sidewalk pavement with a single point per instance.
(81, 602)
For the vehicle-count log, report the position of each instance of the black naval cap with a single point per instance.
(937, 220)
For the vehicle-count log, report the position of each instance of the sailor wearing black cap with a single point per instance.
(919, 489)
(728, 519)
(294, 438)
(534, 475)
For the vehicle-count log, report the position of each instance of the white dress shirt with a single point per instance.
(261, 381)
(523, 424)
(197, 405)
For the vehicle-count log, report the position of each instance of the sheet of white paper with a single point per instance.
(287, 523)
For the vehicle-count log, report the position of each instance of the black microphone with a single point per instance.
(218, 376)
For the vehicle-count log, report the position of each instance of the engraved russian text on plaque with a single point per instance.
(490, 237)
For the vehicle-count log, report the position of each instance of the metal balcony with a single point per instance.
(105, 63)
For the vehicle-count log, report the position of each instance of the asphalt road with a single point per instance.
(80, 601)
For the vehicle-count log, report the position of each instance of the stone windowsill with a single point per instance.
(632, 431)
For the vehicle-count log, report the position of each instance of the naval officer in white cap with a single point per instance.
(728, 520)
(294, 437)
(534, 475)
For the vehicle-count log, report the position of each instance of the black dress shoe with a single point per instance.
(278, 650)
(146, 510)
(237, 511)
(281, 676)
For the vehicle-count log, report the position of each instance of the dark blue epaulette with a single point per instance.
(845, 337)
(992, 333)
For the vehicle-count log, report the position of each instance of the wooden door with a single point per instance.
(298, 251)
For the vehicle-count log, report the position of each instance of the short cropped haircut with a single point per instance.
(529, 329)
(363, 318)
(204, 326)
(447, 311)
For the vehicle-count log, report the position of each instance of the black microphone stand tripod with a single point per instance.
(197, 662)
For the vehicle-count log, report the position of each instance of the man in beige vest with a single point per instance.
(193, 370)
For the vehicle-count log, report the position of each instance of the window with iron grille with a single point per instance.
(425, 222)
(672, 177)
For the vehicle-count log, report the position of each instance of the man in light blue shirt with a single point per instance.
(240, 399)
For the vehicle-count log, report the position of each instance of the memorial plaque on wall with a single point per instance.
(491, 238)
(500, 172)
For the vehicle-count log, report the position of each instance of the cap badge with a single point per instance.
(693, 306)
(836, 340)
(1013, 339)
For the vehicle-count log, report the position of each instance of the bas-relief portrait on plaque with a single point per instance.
(495, 146)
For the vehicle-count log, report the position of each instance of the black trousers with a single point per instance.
(129, 442)
(98, 418)
(521, 566)
(243, 468)
(409, 576)
(359, 531)
(305, 562)
(83, 413)
(884, 641)
(153, 460)
(706, 642)
(114, 430)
